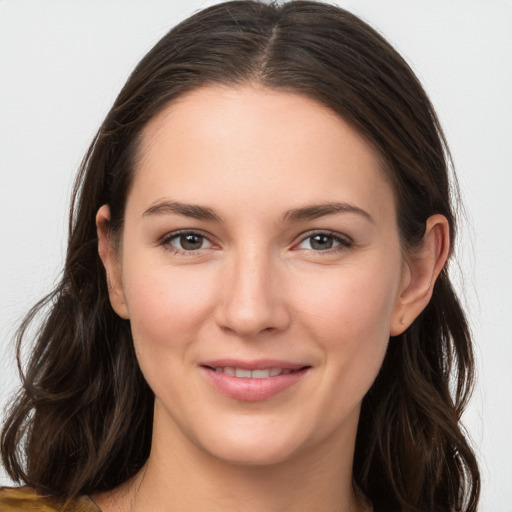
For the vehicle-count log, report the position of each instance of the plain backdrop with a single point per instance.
(63, 62)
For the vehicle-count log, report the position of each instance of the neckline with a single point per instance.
(93, 503)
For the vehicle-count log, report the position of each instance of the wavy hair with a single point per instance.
(82, 421)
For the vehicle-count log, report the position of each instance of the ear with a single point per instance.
(111, 261)
(423, 266)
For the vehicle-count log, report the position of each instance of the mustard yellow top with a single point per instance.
(25, 499)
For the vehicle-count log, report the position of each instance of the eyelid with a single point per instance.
(166, 240)
(344, 240)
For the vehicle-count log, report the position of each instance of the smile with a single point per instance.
(252, 374)
(253, 381)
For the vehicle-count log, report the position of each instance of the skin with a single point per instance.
(258, 288)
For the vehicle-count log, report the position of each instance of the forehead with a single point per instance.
(253, 145)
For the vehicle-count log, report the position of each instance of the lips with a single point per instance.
(242, 373)
(255, 380)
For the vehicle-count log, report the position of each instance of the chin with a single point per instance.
(254, 454)
(256, 444)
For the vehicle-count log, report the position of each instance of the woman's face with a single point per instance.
(260, 268)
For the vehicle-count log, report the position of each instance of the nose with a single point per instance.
(252, 300)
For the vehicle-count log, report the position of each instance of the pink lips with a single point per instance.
(248, 388)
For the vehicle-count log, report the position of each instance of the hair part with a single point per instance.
(82, 421)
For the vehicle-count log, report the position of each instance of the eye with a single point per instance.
(186, 241)
(324, 241)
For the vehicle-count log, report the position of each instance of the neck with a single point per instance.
(179, 476)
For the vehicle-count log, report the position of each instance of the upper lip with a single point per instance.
(258, 364)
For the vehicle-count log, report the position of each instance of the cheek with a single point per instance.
(165, 305)
(348, 313)
(357, 300)
(167, 310)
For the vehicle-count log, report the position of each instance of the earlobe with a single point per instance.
(423, 267)
(111, 262)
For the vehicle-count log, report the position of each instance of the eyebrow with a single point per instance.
(320, 210)
(309, 212)
(187, 210)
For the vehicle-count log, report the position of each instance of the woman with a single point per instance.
(255, 311)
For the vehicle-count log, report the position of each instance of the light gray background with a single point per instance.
(63, 62)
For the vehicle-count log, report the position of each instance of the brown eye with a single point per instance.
(324, 242)
(321, 242)
(188, 242)
(191, 242)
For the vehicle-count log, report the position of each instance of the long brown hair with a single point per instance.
(82, 421)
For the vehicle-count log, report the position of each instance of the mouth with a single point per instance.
(253, 381)
(264, 373)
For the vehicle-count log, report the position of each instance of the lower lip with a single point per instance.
(249, 389)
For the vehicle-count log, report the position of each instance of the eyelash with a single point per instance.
(167, 239)
(343, 241)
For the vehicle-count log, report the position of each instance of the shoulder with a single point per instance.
(17, 499)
